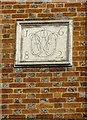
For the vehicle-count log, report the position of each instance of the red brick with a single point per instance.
(50, 5)
(45, 15)
(79, 19)
(79, 48)
(16, 116)
(72, 115)
(7, 61)
(8, 11)
(57, 110)
(31, 70)
(57, 100)
(58, 89)
(70, 95)
(7, 80)
(7, 51)
(45, 105)
(20, 6)
(70, 84)
(43, 74)
(44, 85)
(76, 23)
(17, 95)
(7, 101)
(82, 89)
(20, 16)
(33, 10)
(81, 78)
(30, 101)
(18, 75)
(32, 90)
(79, 59)
(56, 69)
(73, 5)
(15, 85)
(31, 80)
(12, 106)
(81, 99)
(81, 109)
(81, 68)
(6, 111)
(71, 105)
(6, 2)
(58, 79)
(59, 10)
(71, 74)
(44, 95)
(29, 111)
(81, 9)
(7, 90)
(8, 70)
(69, 14)
(46, 116)
(42, 5)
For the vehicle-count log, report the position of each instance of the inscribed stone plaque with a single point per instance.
(43, 42)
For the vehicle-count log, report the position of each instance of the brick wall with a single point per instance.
(55, 92)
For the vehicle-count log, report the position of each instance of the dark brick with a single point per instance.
(83, 83)
(83, 73)
(6, 36)
(43, 110)
(72, 9)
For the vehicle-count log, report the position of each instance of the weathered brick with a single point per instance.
(8, 7)
(30, 106)
(43, 100)
(71, 99)
(58, 116)
(46, 10)
(31, 75)
(20, 11)
(30, 85)
(31, 116)
(45, 80)
(84, 115)
(72, 9)
(45, 90)
(34, 6)
(83, 83)
(7, 16)
(31, 96)
(17, 112)
(59, 5)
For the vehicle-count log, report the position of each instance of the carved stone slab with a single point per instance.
(43, 42)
